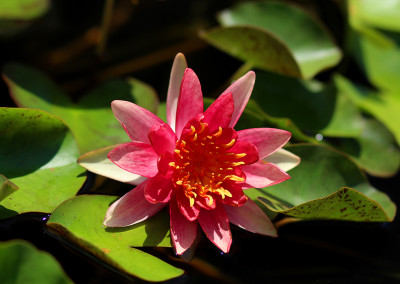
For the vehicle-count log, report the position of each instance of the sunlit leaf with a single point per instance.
(80, 221)
(257, 34)
(327, 185)
(39, 156)
(21, 262)
(381, 60)
(384, 106)
(382, 14)
(23, 9)
(91, 119)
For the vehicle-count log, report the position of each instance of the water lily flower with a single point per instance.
(197, 163)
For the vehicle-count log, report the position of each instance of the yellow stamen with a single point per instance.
(218, 134)
(230, 144)
(193, 129)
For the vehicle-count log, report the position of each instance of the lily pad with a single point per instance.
(21, 262)
(255, 33)
(91, 119)
(381, 60)
(39, 156)
(7, 187)
(327, 185)
(23, 9)
(369, 13)
(384, 106)
(326, 110)
(80, 219)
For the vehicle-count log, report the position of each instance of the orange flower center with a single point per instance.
(203, 166)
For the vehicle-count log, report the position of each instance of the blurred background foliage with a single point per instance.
(327, 71)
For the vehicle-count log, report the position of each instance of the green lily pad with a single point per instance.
(327, 185)
(80, 219)
(384, 106)
(7, 187)
(384, 15)
(21, 262)
(381, 60)
(326, 110)
(23, 9)
(91, 119)
(255, 33)
(39, 156)
(315, 108)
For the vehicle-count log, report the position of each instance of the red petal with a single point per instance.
(215, 225)
(190, 101)
(131, 208)
(158, 189)
(251, 218)
(135, 157)
(162, 138)
(136, 120)
(262, 174)
(183, 231)
(219, 113)
(266, 140)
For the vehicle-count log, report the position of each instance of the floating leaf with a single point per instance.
(384, 15)
(80, 220)
(91, 119)
(384, 106)
(23, 9)
(327, 110)
(39, 156)
(7, 187)
(21, 262)
(255, 33)
(381, 61)
(323, 185)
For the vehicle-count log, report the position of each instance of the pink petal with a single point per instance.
(267, 140)
(219, 114)
(178, 69)
(215, 225)
(131, 208)
(241, 90)
(183, 231)
(135, 157)
(190, 102)
(158, 189)
(136, 120)
(251, 218)
(262, 174)
(162, 139)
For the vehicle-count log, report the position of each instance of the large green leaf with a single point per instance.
(384, 106)
(371, 13)
(22, 263)
(23, 9)
(91, 119)
(38, 154)
(380, 59)
(327, 185)
(327, 110)
(261, 34)
(80, 220)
